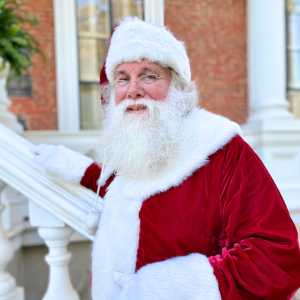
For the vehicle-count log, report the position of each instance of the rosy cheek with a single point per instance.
(119, 96)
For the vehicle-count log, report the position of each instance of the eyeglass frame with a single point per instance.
(128, 82)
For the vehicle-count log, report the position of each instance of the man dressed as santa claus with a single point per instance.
(190, 212)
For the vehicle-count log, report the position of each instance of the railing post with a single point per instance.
(59, 286)
(56, 235)
(8, 288)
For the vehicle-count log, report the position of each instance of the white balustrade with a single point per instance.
(8, 288)
(57, 236)
(59, 285)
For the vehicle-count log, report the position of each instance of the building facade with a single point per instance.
(245, 59)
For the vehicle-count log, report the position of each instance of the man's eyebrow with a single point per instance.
(120, 72)
(145, 69)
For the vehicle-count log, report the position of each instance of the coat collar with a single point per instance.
(204, 133)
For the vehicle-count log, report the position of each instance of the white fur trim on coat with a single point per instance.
(66, 164)
(187, 277)
(204, 133)
(116, 241)
(134, 40)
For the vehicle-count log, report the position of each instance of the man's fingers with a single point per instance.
(123, 279)
(39, 148)
(35, 149)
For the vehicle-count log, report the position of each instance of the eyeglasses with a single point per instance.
(142, 81)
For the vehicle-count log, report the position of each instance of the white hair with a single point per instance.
(141, 146)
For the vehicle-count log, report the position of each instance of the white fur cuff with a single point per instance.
(66, 164)
(185, 277)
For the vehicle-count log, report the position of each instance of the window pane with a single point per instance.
(293, 5)
(124, 8)
(20, 87)
(94, 30)
(294, 31)
(93, 18)
(92, 53)
(102, 15)
(91, 109)
(294, 70)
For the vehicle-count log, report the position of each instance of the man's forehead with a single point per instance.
(143, 66)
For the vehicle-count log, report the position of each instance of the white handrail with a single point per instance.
(68, 202)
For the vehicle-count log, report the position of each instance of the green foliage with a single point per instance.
(17, 45)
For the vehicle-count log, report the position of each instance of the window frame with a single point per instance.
(67, 62)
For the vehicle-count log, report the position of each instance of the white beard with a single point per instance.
(139, 147)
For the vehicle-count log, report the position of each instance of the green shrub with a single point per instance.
(17, 45)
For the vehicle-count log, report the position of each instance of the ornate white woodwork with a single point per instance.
(70, 203)
(8, 288)
(154, 11)
(57, 236)
(270, 130)
(7, 118)
(59, 285)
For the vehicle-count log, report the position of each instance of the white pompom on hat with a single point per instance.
(134, 40)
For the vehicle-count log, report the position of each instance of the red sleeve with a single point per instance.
(261, 258)
(90, 178)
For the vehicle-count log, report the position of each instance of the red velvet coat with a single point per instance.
(227, 208)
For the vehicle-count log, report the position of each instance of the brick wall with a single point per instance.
(39, 111)
(214, 32)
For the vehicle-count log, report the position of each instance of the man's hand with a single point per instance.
(61, 163)
(43, 152)
(130, 289)
(183, 277)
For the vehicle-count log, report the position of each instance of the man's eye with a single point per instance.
(150, 77)
(124, 79)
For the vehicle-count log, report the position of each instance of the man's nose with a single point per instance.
(134, 91)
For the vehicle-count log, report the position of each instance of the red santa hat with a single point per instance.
(134, 40)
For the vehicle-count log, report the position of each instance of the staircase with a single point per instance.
(56, 208)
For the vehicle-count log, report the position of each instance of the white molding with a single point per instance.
(84, 141)
(66, 54)
(154, 11)
(68, 202)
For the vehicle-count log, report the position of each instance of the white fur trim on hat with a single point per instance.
(134, 40)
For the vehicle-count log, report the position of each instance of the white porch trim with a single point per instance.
(66, 55)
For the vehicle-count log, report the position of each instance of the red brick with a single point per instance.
(214, 33)
(40, 111)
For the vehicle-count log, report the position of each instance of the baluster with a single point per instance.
(8, 288)
(56, 235)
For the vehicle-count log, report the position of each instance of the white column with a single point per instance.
(7, 118)
(66, 55)
(8, 288)
(267, 60)
(154, 11)
(271, 130)
(57, 236)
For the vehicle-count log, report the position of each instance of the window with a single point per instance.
(95, 20)
(293, 55)
(20, 87)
